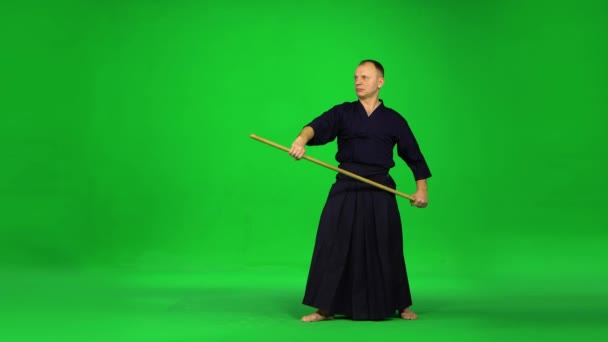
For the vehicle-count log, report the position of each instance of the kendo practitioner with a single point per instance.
(358, 266)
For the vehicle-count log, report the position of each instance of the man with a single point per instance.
(358, 268)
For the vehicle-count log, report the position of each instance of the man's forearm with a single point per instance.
(305, 135)
(421, 185)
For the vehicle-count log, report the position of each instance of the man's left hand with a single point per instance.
(421, 199)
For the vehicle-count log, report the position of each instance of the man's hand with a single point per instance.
(421, 199)
(298, 148)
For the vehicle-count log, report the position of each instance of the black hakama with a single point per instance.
(358, 268)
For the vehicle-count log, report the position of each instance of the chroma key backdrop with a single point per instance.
(134, 206)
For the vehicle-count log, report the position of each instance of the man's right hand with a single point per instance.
(298, 148)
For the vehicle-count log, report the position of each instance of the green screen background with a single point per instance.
(126, 157)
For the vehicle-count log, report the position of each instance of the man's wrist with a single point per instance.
(421, 185)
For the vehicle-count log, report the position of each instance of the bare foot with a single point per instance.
(316, 317)
(408, 314)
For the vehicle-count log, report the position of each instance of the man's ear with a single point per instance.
(380, 82)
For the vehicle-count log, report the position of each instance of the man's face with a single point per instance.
(367, 81)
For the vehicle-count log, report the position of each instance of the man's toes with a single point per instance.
(312, 318)
(306, 318)
(315, 317)
(408, 314)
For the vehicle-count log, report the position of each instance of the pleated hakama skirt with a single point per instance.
(358, 268)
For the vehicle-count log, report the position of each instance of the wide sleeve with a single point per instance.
(409, 151)
(325, 127)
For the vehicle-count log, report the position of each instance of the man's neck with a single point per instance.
(370, 102)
